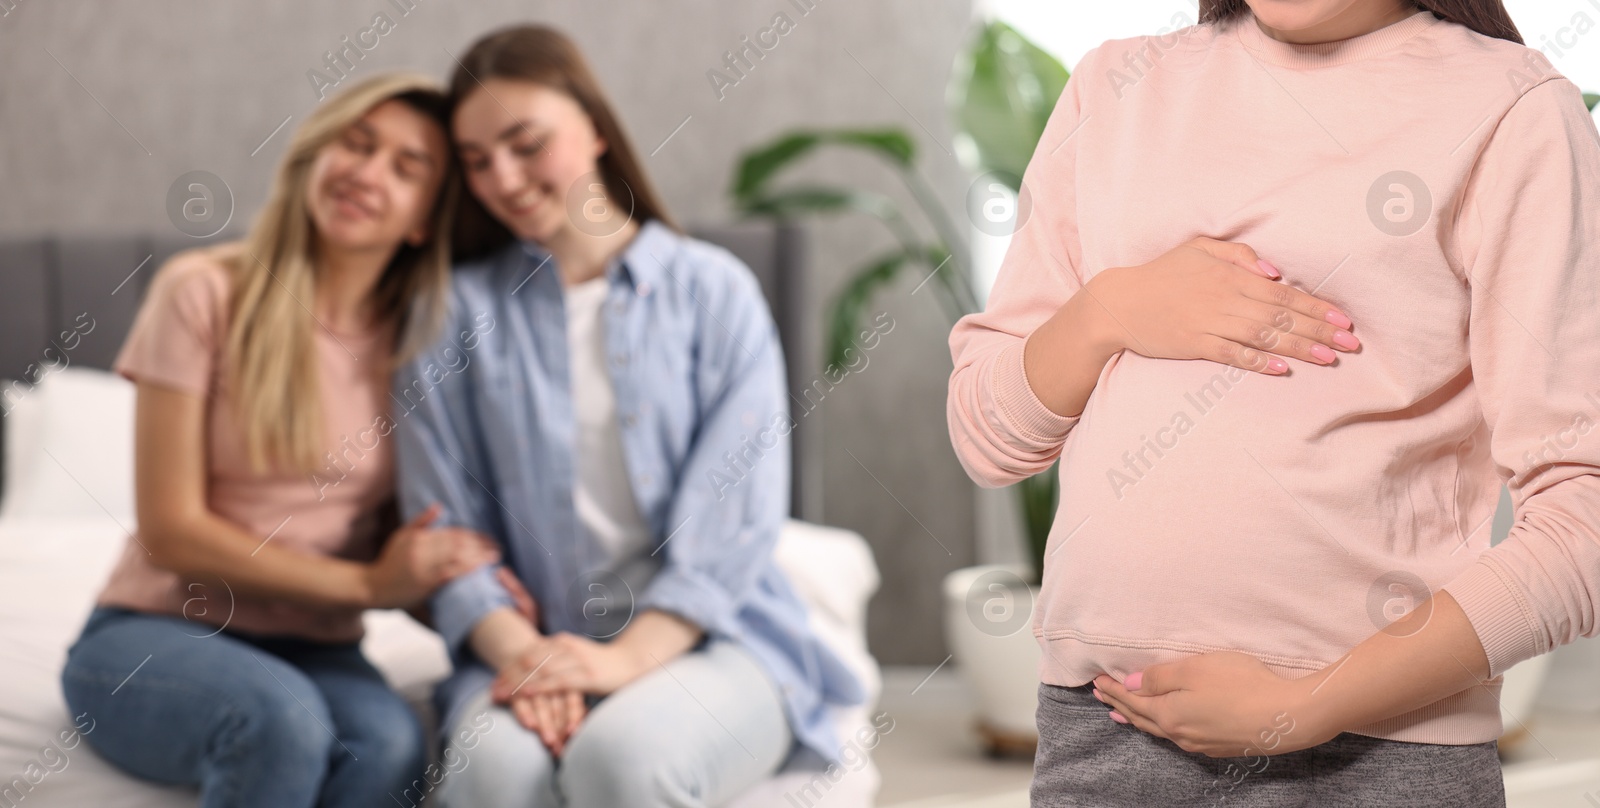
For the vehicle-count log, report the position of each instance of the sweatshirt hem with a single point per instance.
(1471, 716)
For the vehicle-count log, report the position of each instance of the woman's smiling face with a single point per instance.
(523, 147)
(374, 185)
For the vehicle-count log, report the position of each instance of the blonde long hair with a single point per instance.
(271, 348)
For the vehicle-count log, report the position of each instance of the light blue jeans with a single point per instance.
(254, 722)
(693, 733)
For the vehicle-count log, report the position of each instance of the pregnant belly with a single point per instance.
(1199, 512)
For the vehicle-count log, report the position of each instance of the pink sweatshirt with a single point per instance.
(1439, 186)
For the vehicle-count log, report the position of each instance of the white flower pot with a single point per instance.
(989, 628)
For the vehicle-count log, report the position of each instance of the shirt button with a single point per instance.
(629, 420)
(620, 359)
(644, 479)
(644, 288)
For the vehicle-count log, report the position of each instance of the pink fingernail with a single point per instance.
(1322, 353)
(1277, 366)
(1337, 318)
(1268, 268)
(1117, 717)
(1346, 340)
(1134, 680)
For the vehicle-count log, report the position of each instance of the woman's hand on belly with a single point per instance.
(1210, 299)
(1221, 704)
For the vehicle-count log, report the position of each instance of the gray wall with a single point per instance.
(104, 104)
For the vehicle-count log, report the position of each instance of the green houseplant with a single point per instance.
(1002, 91)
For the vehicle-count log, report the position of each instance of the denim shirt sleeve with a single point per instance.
(724, 518)
(441, 459)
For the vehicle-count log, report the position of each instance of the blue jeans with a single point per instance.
(252, 721)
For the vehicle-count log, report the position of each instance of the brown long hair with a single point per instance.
(543, 55)
(1487, 17)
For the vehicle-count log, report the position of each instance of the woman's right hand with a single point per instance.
(1210, 299)
(418, 559)
(552, 715)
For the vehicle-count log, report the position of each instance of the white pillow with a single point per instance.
(22, 418)
(70, 453)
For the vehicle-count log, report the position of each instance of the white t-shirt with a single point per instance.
(603, 494)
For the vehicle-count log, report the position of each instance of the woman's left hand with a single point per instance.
(575, 662)
(1222, 704)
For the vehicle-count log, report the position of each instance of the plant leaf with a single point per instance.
(1590, 99)
(852, 301)
(892, 144)
(1038, 496)
(758, 166)
(816, 199)
(1002, 92)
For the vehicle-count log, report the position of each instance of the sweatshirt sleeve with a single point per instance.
(1529, 242)
(1000, 429)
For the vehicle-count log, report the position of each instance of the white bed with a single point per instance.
(67, 506)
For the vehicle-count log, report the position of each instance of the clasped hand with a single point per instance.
(544, 684)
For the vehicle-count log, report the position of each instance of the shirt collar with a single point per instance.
(642, 263)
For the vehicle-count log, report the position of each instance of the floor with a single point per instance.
(932, 758)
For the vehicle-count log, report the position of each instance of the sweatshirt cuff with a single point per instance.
(1498, 612)
(1019, 405)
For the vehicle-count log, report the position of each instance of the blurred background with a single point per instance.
(885, 132)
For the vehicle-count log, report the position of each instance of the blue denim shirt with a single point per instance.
(485, 427)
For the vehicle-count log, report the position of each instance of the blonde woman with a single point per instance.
(224, 652)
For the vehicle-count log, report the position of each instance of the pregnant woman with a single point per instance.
(224, 652)
(599, 370)
(1272, 543)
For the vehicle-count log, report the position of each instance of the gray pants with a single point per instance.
(696, 732)
(1086, 759)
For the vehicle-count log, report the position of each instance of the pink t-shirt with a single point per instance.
(178, 341)
(1438, 186)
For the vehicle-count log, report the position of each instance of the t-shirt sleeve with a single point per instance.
(1530, 245)
(176, 335)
